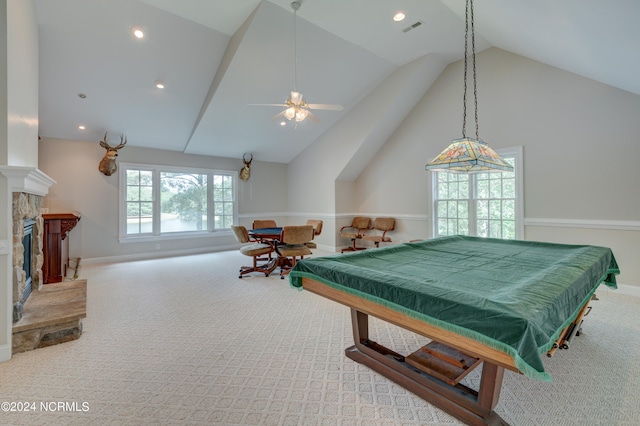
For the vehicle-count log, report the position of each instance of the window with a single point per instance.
(139, 201)
(481, 204)
(160, 200)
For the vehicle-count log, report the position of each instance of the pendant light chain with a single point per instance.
(475, 79)
(464, 92)
(469, 17)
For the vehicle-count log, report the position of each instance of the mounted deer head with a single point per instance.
(245, 172)
(108, 165)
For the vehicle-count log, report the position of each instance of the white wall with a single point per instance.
(81, 187)
(522, 102)
(6, 222)
(580, 140)
(18, 133)
(321, 178)
(22, 92)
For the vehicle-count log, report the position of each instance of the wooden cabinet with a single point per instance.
(56, 245)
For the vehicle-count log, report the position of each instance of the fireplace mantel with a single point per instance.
(29, 180)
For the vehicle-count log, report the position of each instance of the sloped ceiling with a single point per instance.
(216, 57)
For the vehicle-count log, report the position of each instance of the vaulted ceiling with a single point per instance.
(216, 57)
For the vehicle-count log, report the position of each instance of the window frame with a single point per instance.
(512, 152)
(156, 170)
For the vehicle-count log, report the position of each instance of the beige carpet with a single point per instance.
(184, 341)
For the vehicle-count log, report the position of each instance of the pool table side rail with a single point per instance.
(452, 339)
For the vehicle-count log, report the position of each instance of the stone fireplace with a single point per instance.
(27, 218)
(28, 187)
(52, 314)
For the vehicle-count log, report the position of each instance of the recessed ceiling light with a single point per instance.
(399, 16)
(283, 123)
(81, 127)
(159, 85)
(82, 95)
(138, 33)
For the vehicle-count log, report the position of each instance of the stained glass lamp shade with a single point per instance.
(469, 155)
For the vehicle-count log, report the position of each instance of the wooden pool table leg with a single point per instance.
(472, 407)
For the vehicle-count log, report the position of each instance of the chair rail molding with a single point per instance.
(397, 216)
(328, 216)
(619, 225)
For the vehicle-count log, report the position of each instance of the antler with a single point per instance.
(105, 144)
(123, 142)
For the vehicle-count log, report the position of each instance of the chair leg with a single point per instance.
(285, 269)
(265, 268)
(353, 247)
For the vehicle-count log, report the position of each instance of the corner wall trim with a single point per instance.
(620, 225)
(5, 352)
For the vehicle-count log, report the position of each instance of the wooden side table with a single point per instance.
(56, 245)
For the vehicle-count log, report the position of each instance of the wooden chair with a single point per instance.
(317, 230)
(292, 246)
(264, 223)
(378, 233)
(355, 231)
(254, 250)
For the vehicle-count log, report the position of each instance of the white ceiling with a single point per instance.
(218, 56)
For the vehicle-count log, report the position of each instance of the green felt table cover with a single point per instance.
(514, 296)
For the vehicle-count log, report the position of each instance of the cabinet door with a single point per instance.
(52, 267)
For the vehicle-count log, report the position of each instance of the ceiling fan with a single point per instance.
(296, 108)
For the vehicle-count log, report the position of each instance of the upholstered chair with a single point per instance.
(378, 233)
(317, 230)
(254, 250)
(292, 246)
(264, 223)
(355, 231)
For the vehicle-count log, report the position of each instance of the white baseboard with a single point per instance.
(628, 290)
(5, 352)
(158, 255)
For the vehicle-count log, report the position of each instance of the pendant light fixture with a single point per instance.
(467, 154)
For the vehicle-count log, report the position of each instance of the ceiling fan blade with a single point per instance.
(327, 107)
(278, 115)
(278, 105)
(313, 118)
